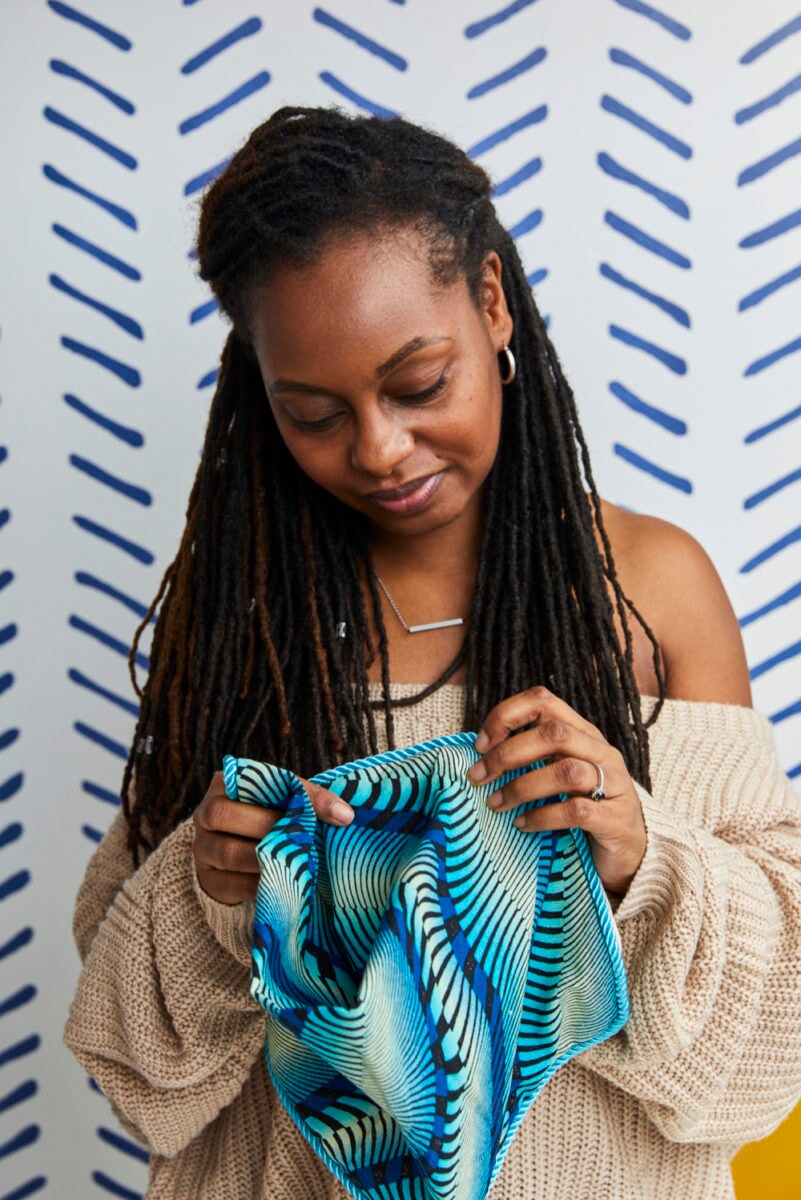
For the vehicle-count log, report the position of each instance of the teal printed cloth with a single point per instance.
(425, 970)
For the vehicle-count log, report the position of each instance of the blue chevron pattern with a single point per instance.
(423, 957)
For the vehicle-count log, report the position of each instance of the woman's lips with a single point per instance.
(409, 499)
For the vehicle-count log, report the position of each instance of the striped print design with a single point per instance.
(425, 969)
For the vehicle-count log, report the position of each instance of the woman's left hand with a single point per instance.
(614, 825)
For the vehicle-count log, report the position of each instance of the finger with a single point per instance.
(329, 808)
(563, 777)
(218, 814)
(533, 705)
(579, 813)
(222, 852)
(229, 887)
(553, 736)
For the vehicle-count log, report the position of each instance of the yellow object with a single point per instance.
(771, 1169)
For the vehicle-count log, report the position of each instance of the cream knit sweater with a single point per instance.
(710, 1058)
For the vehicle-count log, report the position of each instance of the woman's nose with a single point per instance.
(381, 443)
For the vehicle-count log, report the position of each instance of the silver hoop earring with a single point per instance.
(511, 366)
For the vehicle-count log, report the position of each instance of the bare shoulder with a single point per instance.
(673, 582)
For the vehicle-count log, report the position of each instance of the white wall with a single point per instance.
(54, 1136)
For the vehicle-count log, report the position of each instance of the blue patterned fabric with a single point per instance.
(425, 969)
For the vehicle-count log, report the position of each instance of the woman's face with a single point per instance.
(385, 385)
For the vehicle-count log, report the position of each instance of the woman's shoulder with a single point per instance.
(674, 584)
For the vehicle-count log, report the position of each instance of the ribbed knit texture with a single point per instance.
(710, 1058)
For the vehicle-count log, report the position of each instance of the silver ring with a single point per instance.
(600, 791)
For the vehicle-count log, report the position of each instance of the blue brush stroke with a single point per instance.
(525, 172)
(7, 633)
(26, 1189)
(107, 535)
(208, 379)
(770, 101)
(127, 374)
(529, 222)
(788, 539)
(94, 835)
(199, 181)
(17, 942)
(672, 361)
(120, 319)
(776, 229)
(259, 81)
(73, 14)
(623, 59)
(100, 793)
(120, 156)
(87, 580)
(758, 169)
(772, 40)
(772, 489)
(786, 597)
(646, 240)
(342, 89)
(792, 774)
(680, 315)
(478, 27)
(6, 681)
(85, 682)
(650, 468)
(17, 999)
(761, 364)
(203, 310)
(506, 131)
(537, 277)
(10, 834)
(25, 1091)
(110, 260)
(5, 516)
(791, 711)
(347, 31)
(763, 430)
(11, 786)
(110, 1185)
(610, 105)
(25, 1137)
(114, 210)
(668, 23)
(246, 29)
(8, 738)
(130, 490)
(100, 739)
(132, 437)
(517, 69)
(20, 1049)
(123, 1143)
(61, 68)
(610, 167)
(13, 884)
(6, 577)
(106, 639)
(760, 294)
(3, 453)
(776, 660)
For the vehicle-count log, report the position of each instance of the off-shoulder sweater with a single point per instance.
(710, 1058)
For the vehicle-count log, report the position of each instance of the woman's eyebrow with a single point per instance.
(408, 348)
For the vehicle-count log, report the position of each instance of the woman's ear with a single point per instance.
(493, 302)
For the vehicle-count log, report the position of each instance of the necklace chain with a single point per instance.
(416, 628)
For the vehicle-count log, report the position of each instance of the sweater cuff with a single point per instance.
(663, 872)
(231, 924)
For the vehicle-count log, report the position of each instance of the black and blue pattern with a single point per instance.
(425, 969)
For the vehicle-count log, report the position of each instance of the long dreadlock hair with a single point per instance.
(245, 653)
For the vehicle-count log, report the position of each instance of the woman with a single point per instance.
(392, 443)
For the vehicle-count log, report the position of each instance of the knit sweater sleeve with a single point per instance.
(711, 934)
(162, 1017)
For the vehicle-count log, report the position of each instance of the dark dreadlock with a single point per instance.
(245, 653)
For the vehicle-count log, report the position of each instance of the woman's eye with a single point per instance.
(419, 397)
(316, 426)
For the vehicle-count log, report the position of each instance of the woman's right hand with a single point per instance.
(228, 831)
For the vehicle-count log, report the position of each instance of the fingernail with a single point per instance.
(482, 741)
(496, 799)
(342, 812)
(477, 772)
(520, 822)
